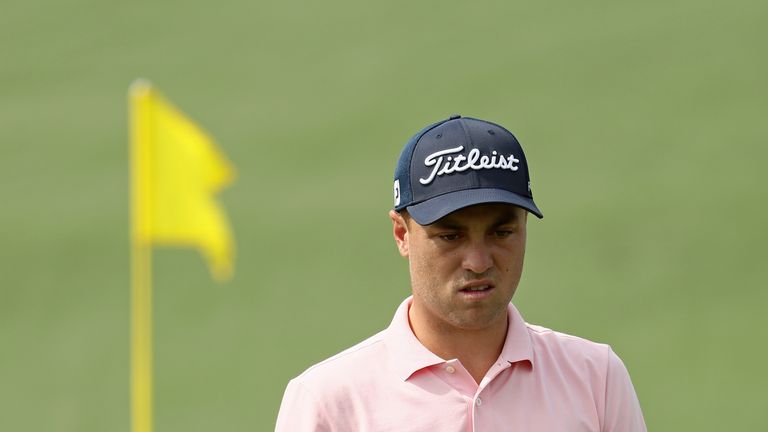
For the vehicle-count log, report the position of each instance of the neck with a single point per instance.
(476, 349)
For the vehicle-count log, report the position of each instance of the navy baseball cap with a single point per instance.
(460, 162)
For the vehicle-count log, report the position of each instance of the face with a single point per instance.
(466, 266)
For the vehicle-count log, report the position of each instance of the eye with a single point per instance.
(503, 233)
(449, 236)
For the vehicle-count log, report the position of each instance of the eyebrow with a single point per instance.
(448, 223)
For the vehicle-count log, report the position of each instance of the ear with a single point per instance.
(400, 232)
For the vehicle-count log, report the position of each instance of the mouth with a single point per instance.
(477, 289)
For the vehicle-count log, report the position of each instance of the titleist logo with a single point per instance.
(445, 164)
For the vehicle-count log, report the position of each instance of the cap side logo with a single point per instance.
(397, 193)
(444, 163)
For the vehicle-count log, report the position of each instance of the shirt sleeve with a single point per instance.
(622, 409)
(299, 411)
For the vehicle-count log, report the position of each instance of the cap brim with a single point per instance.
(429, 211)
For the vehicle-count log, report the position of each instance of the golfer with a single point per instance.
(458, 356)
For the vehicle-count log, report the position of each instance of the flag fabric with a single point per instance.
(176, 170)
(179, 171)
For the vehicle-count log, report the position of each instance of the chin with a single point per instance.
(476, 321)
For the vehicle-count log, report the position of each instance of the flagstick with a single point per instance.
(141, 260)
(141, 339)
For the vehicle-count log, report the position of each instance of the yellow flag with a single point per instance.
(178, 170)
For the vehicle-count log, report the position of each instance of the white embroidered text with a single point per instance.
(445, 164)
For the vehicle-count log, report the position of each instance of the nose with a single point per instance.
(477, 257)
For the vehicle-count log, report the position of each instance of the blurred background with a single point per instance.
(643, 122)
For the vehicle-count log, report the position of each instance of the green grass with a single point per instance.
(644, 124)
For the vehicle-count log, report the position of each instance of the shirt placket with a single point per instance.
(454, 374)
(478, 401)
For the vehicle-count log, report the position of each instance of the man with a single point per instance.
(458, 355)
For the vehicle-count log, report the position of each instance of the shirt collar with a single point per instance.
(517, 345)
(408, 355)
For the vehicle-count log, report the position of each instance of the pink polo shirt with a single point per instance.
(543, 381)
